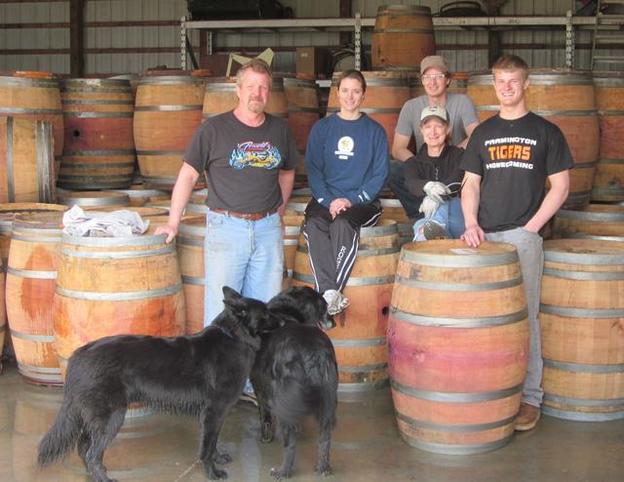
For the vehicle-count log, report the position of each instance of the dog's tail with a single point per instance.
(62, 437)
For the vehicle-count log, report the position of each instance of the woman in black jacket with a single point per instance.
(435, 171)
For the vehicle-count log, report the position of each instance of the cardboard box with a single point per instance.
(311, 62)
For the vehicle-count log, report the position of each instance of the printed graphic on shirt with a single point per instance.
(255, 154)
(345, 147)
(510, 152)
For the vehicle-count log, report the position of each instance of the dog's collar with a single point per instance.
(252, 341)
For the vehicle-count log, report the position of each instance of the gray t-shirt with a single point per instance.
(242, 163)
(459, 107)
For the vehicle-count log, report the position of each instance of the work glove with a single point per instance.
(436, 190)
(429, 206)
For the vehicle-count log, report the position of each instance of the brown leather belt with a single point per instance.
(246, 216)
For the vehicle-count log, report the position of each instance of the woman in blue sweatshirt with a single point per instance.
(347, 163)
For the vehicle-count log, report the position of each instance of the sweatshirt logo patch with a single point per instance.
(255, 154)
(344, 149)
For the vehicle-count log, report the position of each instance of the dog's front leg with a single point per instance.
(211, 423)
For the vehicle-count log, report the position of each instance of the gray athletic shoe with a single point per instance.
(333, 298)
(433, 230)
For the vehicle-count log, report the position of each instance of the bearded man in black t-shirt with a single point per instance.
(507, 161)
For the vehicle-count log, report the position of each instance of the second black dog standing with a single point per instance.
(296, 374)
(201, 374)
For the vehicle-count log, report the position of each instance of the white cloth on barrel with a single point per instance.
(114, 224)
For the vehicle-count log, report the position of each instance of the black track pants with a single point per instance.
(333, 244)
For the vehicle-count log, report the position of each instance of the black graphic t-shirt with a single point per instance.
(514, 158)
(242, 163)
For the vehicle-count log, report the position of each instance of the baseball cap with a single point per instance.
(434, 111)
(433, 61)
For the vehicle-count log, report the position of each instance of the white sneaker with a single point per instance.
(333, 298)
(344, 302)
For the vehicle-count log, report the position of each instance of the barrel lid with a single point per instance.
(13, 208)
(584, 251)
(595, 212)
(94, 198)
(43, 219)
(69, 85)
(403, 9)
(454, 253)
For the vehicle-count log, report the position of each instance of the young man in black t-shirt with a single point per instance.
(507, 161)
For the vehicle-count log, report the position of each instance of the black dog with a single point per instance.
(295, 374)
(201, 374)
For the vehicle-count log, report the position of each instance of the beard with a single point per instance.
(256, 106)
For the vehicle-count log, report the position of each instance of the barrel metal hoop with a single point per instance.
(582, 416)
(603, 402)
(117, 254)
(584, 367)
(494, 108)
(402, 30)
(455, 397)
(362, 386)
(167, 108)
(591, 216)
(582, 258)
(193, 280)
(483, 322)
(439, 427)
(566, 113)
(98, 115)
(581, 312)
(28, 273)
(359, 343)
(612, 161)
(426, 285)
(452, 449)
(26, 82)
(31, 337)
(171, 80)
(119, 296)
(26, 110)
(607, 113)
(454, 261)
(97, 102)
(99, 165)
(117, 242)
(374, 367)
(585, 275)
(373, 280)
(159, 153)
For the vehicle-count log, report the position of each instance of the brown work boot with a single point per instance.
(527, 417)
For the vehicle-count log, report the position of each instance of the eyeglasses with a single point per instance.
(430, 77)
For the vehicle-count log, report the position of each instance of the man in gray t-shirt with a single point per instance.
(435, 76)
(248, 158)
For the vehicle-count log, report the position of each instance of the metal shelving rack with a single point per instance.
(569, 22)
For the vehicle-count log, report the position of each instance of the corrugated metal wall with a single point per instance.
(153, 36)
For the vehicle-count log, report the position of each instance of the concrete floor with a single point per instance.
(366, 447)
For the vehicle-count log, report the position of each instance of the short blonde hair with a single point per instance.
(511, 62)
(257, 65)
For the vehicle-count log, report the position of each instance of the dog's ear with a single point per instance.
(230, 294)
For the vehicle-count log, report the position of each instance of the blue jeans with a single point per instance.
(449, 215)
(247, 256)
